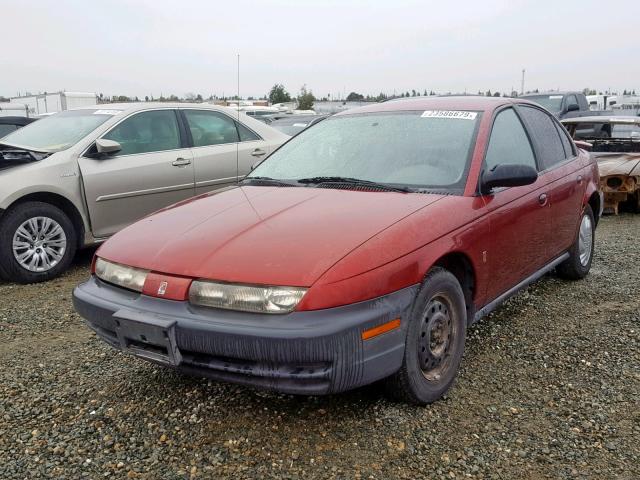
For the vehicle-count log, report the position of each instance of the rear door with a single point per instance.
(251, 149)
(223, 149)
(519, 216)
(153, 170)
(563, 173)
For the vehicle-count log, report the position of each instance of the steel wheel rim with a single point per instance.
(436, 338)
(39, 244)
(585, 240)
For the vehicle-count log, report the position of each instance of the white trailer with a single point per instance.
(55, 102)
(8, 109)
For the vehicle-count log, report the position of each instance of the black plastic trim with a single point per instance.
(307, 352)
(491, 306)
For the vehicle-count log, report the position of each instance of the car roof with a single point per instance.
(462, 102)
(291, 119)
(603, 119)
(136, 106)
(16, 120)
(564, 92)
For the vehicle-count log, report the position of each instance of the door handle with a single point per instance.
(542, 199)
(181, 162)
(258, 153)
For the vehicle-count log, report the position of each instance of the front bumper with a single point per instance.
(313, 352)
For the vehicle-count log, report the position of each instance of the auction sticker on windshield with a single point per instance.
(450, 114)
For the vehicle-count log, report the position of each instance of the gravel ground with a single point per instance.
(549, 388)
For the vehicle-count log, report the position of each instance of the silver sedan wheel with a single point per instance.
(39, 244)
(585, 240)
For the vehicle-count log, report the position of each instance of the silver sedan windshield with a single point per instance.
(60, 131)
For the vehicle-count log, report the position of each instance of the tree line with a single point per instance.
(305, 98)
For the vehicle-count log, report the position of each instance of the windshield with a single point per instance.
(553, 103)
(60, 131)
(415, 149)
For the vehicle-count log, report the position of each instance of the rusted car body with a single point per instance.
(615, 143)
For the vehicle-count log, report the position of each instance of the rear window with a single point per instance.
(417, 148)
(553, 103)
(545, 136)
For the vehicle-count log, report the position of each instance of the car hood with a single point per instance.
(618, 163)
(262, 235)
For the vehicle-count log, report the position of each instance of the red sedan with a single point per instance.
(360, 250)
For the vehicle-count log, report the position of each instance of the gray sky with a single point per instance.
(148, 47)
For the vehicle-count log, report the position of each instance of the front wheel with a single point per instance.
(435, 340)
(578, 264)
(37, 243)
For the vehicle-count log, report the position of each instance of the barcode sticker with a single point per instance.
(460, 114)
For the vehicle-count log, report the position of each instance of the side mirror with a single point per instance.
(507, 176)
(104, 146)
(573, 107)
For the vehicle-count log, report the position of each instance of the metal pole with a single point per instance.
(522, 84)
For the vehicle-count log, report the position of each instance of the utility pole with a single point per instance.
(522, 84)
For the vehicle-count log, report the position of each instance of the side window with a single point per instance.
(210, 128)
(545, 134)
(509, 143)
(571, 100)
(569, 151)
(146, 132)
(246, 135)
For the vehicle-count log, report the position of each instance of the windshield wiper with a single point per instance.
(355, 182)
(268, 181)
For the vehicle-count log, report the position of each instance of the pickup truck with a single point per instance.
(75, 178)
(562, 104)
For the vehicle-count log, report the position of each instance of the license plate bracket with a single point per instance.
(149, 336)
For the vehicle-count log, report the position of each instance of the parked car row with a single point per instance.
(360, 250)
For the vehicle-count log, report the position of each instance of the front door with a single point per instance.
(519, 216)
(151, 171)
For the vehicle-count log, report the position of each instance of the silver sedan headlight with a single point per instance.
(121, 275)
(246, 298)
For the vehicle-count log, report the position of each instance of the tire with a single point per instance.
(430, 362)
(43, 261)
(578, 264)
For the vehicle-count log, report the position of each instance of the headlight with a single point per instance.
(121, 275)
(247, 298)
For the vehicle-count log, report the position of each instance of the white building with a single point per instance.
(55, 102)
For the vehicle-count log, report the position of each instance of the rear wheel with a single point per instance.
(435, 341)
(37, 242)
(578, 264)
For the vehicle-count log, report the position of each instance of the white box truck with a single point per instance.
(55, 102)
(9, 109)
